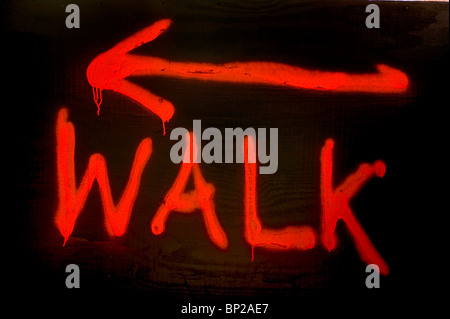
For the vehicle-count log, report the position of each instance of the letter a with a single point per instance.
(373, 19)
(373, 279)
(73, 280)
(73, 19)
(199, 198)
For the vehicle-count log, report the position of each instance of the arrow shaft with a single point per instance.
(386, 80)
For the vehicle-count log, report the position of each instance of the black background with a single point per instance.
(402, 212)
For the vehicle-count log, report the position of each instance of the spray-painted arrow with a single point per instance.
(109, 71)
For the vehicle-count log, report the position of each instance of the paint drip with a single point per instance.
(97, 93)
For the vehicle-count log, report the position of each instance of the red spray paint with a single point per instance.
(335, 201)
(72, 199)
(109, 71)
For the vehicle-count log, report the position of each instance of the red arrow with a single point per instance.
(109, 71)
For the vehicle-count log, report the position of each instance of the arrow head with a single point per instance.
(108, 71)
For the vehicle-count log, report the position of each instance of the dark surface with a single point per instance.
(46, 65)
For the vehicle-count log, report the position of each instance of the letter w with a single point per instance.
(71, 199)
